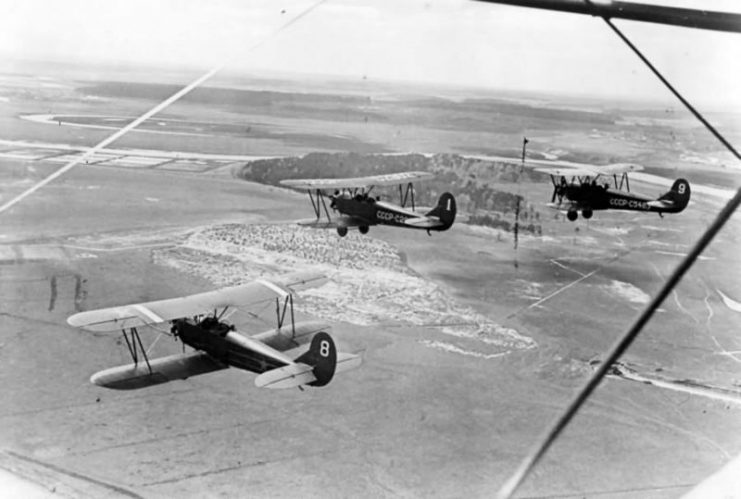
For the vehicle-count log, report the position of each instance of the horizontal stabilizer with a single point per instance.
(289, 376)
(164, 369)
(423, 222)
(347, 361)
(661, 204)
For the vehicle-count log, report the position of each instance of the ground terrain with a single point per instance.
(470, 347)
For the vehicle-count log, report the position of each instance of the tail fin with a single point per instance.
(445, 210)
(322, 357)
(678, 195)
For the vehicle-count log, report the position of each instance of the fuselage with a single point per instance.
(600, 197)
(226, 345)
(373, 212)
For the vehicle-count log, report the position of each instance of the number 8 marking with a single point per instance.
(324, 348)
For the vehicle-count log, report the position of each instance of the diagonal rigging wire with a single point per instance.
(655, 71)
(550, 436)
(159, 107)
(156, 109)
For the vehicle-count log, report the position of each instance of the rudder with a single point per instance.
(679, 194)
(445, 210)
(322, 357)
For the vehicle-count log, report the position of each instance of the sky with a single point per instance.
(449, 42)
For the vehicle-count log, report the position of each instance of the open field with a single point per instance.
(470, 347)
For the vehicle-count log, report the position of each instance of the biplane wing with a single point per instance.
(351, 183)
(157, 371)
(155, 312)
(567, 172)
(590, 171)
(618, 168)
(565, 206)
(337, 221)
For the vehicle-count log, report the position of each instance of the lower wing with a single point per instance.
(566, 206)
(342, 221)
(157, 371)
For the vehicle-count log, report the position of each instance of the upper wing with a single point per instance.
(140, 314)
(591, 171)
(569, 172)
(350, 183)
(618, 168)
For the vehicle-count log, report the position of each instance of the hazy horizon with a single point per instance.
(341, 84)
(450, 43)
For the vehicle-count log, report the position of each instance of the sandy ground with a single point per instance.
(413, 420)
(424, 416)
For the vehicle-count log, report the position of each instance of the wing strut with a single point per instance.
(135, 346)
(280, 313)
(319, 204)
(405, 194)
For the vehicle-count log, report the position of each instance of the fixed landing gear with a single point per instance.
(363, 229)
(572, 215)
(342, 231)
(586, 213)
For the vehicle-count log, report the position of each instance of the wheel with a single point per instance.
(363, 229)
(572, 215)
(586, 213)
(342, 231)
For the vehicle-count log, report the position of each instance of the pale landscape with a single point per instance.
(470, 347)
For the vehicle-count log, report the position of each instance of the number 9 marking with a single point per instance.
(681, 188)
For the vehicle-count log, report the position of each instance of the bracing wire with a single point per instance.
(550, 436)
(156, 109)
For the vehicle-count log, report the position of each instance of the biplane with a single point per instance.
(199, 321)
(582, 189)
(357, 207)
